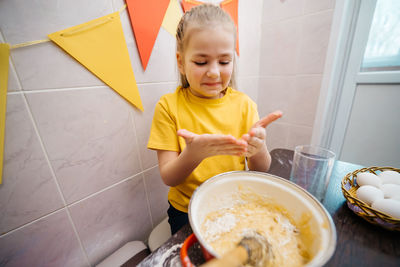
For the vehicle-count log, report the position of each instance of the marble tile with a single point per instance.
(277, 135)
(314, 43)
(13, 84)
(280, 47)
(46, 65)
(311, 6)
(303, 104)
(298, 135)
(108, 220)
(249, 86)
(48, 16)
(276, 10)
(150, 94)
(157, 193)
(89, 137)
(28, 190)
(275, 93)
(49, 241)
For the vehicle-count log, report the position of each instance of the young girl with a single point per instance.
(205, 127)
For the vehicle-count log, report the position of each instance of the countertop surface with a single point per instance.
(359, 243)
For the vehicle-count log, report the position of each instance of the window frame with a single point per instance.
(342, 73)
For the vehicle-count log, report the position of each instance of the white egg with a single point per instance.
(367, 178)
(391, 190)
(390, 177)
(389, 206)
(369, 194)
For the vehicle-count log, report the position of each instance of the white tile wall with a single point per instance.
(314, 42)
(294, 43)
(280, 47)
(29, 190)
(49, 241)
(78, 180)
(109, 219)
(89, 138)
(157, 193)
(150, 94)
(277, 10)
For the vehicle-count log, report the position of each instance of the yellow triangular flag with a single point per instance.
(172, 17)
(4, 55)
(100, 46)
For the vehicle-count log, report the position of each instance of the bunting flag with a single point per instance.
(100, 46)
(146, 19)
(4, 56)
(231, 6)
(172, 17)
(188, 4)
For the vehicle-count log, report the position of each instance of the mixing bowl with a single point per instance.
(216, 193)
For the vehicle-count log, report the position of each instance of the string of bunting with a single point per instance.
(104, 36)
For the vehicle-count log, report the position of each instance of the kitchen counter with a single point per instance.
(359, 243)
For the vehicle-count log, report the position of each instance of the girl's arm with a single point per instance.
(175, 167)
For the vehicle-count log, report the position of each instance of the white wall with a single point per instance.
(373, 133)
(295, 37)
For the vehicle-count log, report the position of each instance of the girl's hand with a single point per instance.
(207, 145)
(256, 136)
(176, 167)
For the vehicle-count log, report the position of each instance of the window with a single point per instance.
(382, 52)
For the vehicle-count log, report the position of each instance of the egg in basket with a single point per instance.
(373, 193)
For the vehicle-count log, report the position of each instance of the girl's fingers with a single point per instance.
(246, 137)
(229, 147)
(217, 144)
(257, 132)
(225, 139)
(233, 151)
(268, 119)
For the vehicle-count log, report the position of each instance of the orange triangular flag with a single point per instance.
(100, 46)
(146, 19)
(188, 4)
(231, 6)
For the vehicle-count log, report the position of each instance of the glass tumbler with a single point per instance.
(311, 169)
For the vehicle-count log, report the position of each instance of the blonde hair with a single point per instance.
(203, 16)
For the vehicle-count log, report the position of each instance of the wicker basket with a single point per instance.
(349, 187)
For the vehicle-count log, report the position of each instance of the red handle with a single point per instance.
(184, 250)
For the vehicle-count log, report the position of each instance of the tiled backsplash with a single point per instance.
(78, 180)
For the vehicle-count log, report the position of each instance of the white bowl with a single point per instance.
(215, 194)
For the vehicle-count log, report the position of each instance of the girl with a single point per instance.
(205, 127)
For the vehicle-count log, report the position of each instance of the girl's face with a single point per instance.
(207, 61)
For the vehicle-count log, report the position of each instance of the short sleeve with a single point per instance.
(252, 114)
(163, 129)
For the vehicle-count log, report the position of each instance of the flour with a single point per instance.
(214, 228)
(168, 257)
(168, 254)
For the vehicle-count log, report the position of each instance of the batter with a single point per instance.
(223, 229)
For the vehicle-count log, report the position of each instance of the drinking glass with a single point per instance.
(311, 169)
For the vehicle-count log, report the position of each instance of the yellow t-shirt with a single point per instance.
(232, 114)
